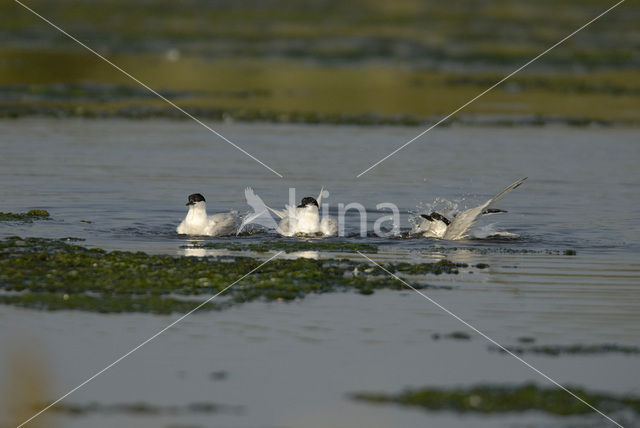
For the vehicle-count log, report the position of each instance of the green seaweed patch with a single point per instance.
(491, 399)
(49, 274)
(443, 266)
(292, 246)
(145, 409)
(578, 349)
(570, 252)
(29, 216)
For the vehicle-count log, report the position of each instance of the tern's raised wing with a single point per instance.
(319, 198)
(504, 192)
(253, 200)
(280, 213)
(465, 219)
(260, 213)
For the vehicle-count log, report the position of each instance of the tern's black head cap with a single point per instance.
(307, 202)
(434, 216)
(195, 197)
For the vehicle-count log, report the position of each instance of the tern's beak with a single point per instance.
(189, 203)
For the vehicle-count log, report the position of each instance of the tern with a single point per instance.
(197, 222)
(304, 219)
(436, 225)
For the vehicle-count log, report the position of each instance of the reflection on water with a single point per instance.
(199, 252)
(302, 255)
(202, 252)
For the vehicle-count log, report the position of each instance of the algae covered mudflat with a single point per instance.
(505, 399)
(285, 91)
(26, 217)
(53, 275)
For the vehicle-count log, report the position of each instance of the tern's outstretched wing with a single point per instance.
(260, 213)
(280, 213)
(465, 219)
(504, 192)
(253, 200)
(250, 218)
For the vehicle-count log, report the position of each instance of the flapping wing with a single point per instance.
(504, 192)
(462, 222)
(251, 218)
(319, 198)
(260, 213)
(465, 219)
(253, 200)
(280, 213)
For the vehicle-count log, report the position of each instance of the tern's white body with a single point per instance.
(430, 229)
(198, 223)
(305, 221)
(462, 222)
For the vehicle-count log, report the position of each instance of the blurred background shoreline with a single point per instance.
(353, 62)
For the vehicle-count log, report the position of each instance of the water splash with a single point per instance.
(441, 205)
(490, 231)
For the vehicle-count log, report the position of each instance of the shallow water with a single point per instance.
(131, 179)
(292, 364)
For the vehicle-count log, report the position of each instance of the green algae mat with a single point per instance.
(54, 275)
(494, 399)
(27, 217)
